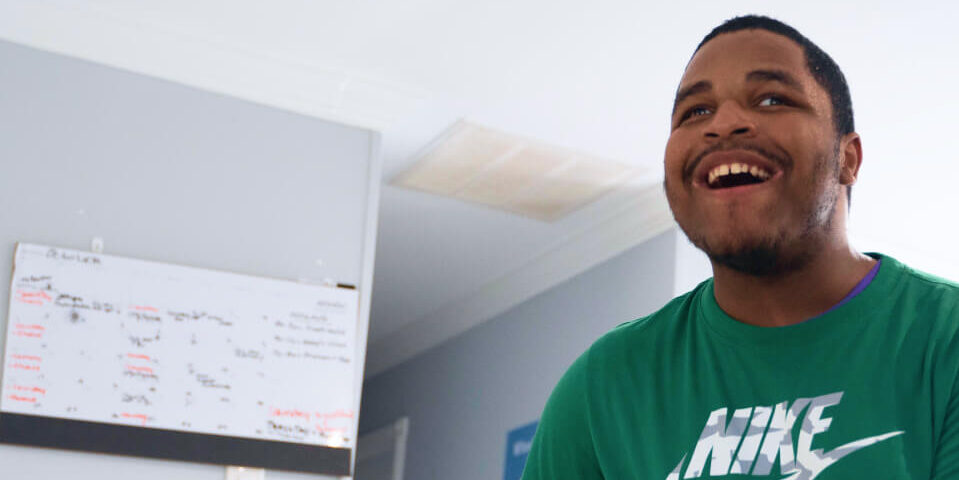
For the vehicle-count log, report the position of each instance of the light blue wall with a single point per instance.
(463, 396)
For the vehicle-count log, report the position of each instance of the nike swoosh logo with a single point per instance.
(812, 464)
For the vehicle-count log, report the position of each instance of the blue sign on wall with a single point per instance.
(518, 442)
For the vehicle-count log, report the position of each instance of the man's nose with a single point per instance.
(730, 120)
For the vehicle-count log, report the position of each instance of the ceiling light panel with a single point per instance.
(481, 165)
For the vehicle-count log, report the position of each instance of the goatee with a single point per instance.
(771, 256)
(760, 261)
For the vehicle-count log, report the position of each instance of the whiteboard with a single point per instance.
(113, 340)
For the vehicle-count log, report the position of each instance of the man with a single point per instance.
(801, 358)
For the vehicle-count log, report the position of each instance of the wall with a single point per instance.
(463, 396)
(692, 265)
(170, 173)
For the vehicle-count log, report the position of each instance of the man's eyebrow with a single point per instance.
(685, 92)
(774, 76)
(701, 86)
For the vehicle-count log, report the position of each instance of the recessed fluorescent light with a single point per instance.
(481, 165)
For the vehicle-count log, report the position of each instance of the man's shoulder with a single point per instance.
(925, 288)
(927, 280)
(917, 303)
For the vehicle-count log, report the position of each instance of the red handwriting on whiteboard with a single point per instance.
(29, 358)
(28, 330)
(138, 356)
(22, 362)
(22, 388)
(32, 298)
(25, 330)
(18, 398)
(333, 422)
(335, 414)
(136, 416)
(24, 326)
(325, 427)
(23, 366)
(144, 308)
(291, 413)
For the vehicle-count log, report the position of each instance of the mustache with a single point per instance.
(782, 159)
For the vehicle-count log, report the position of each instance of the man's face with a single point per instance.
(752, 160)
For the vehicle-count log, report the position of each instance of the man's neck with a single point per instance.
(793, 297)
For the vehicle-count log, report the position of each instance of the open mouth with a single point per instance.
(730, 175)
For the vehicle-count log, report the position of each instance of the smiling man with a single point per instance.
(801, 358)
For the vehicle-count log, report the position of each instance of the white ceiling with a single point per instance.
(594, 77)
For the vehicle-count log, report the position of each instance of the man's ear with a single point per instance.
(850, 156)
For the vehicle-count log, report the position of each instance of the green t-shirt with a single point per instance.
(866, 391)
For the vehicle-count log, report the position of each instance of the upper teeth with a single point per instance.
(729, 168)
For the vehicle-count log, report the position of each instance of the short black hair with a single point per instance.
(822, 67)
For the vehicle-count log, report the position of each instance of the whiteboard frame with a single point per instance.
(366, 284)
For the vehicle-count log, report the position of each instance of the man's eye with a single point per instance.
(771, 101)
(696, 112)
